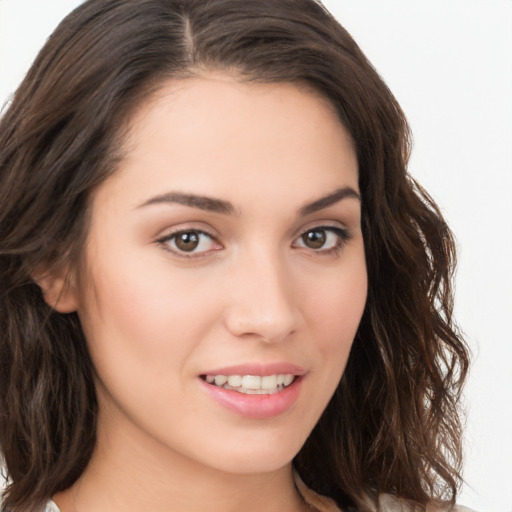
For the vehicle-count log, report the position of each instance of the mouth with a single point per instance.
(252, 384)
(255, 390)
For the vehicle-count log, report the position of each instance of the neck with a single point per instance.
(129, 474)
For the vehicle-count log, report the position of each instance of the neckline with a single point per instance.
(314, 501)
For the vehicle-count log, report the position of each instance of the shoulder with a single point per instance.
(389, 503)
(314, 501)
(49, 507)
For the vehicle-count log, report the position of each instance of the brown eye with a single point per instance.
(323, 239)
(187, 242)
(314, 239)
(190, 242)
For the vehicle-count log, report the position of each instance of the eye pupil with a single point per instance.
(314, 239)
(187, 241)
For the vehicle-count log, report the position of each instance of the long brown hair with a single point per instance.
(393, 424)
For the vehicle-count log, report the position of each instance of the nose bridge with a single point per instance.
(262, 302)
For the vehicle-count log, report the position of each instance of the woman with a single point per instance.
(220, 288)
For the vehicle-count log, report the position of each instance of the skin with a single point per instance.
(155, 319)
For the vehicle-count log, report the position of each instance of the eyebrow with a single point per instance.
(225, 207)
(329, 200)
(209, 204)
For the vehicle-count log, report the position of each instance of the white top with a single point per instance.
(51, 507)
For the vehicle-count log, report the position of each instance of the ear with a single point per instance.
(59, 291)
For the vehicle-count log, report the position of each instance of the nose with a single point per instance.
(262, 302)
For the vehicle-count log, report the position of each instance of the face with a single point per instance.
(225, 274)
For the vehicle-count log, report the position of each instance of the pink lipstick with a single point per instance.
(255, 391)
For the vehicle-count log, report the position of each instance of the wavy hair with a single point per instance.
(393, 424)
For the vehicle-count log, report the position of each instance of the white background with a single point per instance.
(449, 63)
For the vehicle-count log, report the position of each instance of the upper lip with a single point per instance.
(260, 369)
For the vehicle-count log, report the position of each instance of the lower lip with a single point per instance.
(256, 406)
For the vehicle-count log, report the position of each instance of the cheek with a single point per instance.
(140, 311)
(333, 311)
(336, 307)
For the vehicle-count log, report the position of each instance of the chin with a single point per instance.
(254, 465)
(258, 455)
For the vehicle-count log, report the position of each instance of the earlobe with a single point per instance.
(58, 291)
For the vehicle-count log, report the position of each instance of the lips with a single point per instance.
(254, 390)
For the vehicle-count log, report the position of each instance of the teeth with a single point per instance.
(234, 381)
(288, 379)
(252, 384)
(269, 382)
(220, 380)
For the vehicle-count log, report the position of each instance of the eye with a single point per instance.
(324, 239)
(189, 242)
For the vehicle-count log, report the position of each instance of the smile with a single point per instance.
(252, 384)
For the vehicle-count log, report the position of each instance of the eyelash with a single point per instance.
(172, 237)
(343, 236)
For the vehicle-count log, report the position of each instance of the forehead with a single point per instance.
(213, 131)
